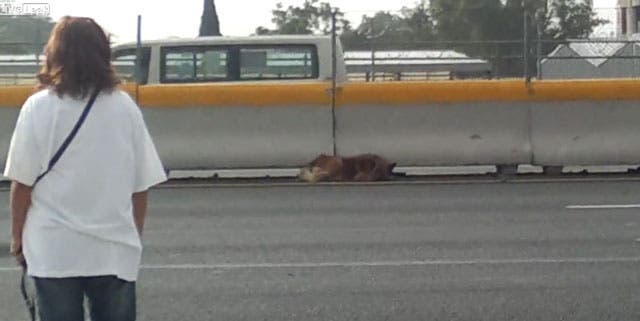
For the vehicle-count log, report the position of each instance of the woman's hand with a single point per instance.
(20, 199)
(15, 250)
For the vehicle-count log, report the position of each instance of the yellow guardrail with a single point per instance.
(403, 93)
(390, 93)
(15, 96)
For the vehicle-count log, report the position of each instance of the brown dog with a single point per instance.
(361, 168)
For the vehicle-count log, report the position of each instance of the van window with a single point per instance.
(194, 64)
(278, 62)
(124, 63)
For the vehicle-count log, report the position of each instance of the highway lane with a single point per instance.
(481, 251)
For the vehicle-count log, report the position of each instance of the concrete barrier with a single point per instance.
(205, 126)
(232, 137)
(437, 134)
(252, 125)
(546, 123)
(271, 125)
(586, 133)
(239, 137)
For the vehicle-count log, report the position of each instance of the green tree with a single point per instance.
(20, 35)
(209, 23)
(494, 29)
(573, 19)
(312, 17)
(419, 21)
(388, 30)
(383, 27)
(469, 20)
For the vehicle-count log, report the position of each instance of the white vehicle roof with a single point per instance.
(279, 39)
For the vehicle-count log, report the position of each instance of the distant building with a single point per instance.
(600, 58)
(18, 69)
(580, 60)
(414, 65)
(628, 14)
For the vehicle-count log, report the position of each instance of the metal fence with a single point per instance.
(19, 69)
(430, 60)
(573, 59)
(536, 54)
(447, 60)
(604, 55)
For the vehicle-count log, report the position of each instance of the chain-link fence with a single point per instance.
(408, 45)
(19, 69)
(22, 40)
(523, 43)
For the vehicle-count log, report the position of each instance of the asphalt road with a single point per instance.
(461, 251)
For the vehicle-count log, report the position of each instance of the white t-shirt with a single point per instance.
(80, 222)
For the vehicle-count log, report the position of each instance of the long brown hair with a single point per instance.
(78, 59)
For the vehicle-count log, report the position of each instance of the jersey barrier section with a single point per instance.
(283, 125)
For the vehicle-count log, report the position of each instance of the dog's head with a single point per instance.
(307, 175)
(321, 168)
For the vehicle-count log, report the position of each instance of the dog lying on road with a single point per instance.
(360, 168)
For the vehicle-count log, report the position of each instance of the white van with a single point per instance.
(230, 59)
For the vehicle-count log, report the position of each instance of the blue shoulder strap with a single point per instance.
(69, 138)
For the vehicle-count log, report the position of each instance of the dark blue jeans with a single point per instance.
(61, 299)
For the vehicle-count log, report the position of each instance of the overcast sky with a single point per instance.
(181, 18)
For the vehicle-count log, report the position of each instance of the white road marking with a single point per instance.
(9, 269)
(238, 266)
(599, 207)
(392, 263)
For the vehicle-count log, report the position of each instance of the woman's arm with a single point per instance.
(20, 200)
(139, 209)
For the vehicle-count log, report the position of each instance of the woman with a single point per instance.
(79, 228)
